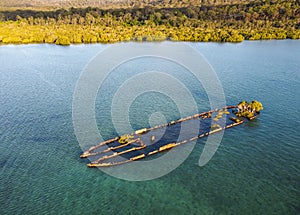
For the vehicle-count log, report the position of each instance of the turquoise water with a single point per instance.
(256, 169)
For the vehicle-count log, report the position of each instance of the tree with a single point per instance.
(249, 110)
(256, 106)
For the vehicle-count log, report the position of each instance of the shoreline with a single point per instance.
(224, 23)
(134, 41)
(76, 37)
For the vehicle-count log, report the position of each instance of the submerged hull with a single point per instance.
(143, 143)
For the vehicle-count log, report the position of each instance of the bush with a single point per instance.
(63, 41)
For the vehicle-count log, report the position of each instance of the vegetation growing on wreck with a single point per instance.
(125, 139)
(249, 110)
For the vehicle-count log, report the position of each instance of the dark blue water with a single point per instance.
(256, 169)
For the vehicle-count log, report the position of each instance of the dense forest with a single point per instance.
(221, 22)
(43, 4)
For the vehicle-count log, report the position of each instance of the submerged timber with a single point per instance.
(142, 143)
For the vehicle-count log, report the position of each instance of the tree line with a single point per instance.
(46, 4)
(223, 23)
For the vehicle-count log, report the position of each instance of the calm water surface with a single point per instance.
(256, 169)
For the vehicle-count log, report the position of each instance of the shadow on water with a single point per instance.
(253, 124)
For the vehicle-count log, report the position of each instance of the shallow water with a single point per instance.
(256, 169)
